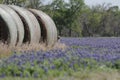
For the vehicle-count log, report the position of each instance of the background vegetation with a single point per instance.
(75, 19)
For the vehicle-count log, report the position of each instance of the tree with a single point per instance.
(24, 3)
(33, 4)
(85, 20)
(57, 10)
(66, 15)
(72, 15)
(100, 20)
(1, 1)
(112, 21)
(15, 2)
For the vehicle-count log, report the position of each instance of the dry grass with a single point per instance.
(97, 75)
(6, 50)
(38, 47)
(106, 76)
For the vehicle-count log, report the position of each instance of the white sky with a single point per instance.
(95, 2)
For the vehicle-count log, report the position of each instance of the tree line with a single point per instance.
(75, 19)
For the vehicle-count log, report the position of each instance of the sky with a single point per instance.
(95, 2)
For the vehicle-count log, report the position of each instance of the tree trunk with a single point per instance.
(60, 32)
(70, 32)
(86, 31)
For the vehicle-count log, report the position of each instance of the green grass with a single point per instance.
(107, 74)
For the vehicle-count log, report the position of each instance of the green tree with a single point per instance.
(100, 20)
(33, 4)
(111, 20)
(1, 1)
(94, 17)
(74, 9)
(85, 20)
(66, 15)
(59, 13)
(15, 2)
(24, 3)
(57, 10)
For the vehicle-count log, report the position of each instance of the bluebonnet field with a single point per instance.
(80, 54)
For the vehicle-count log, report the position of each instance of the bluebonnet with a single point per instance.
(81, 52)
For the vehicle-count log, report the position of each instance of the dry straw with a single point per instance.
(6, 50)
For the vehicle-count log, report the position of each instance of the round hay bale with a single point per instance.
(8, 28)
(48, 28)
(18, 22)
(31, 25)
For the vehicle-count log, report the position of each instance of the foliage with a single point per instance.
(74, 10)
(24, 3)
(100, 20)
(15, 2)
(65, 15)
(74, 18)
(35, 4)
(0, 1)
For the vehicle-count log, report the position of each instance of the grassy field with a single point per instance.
(71, 59)
(86, 75)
